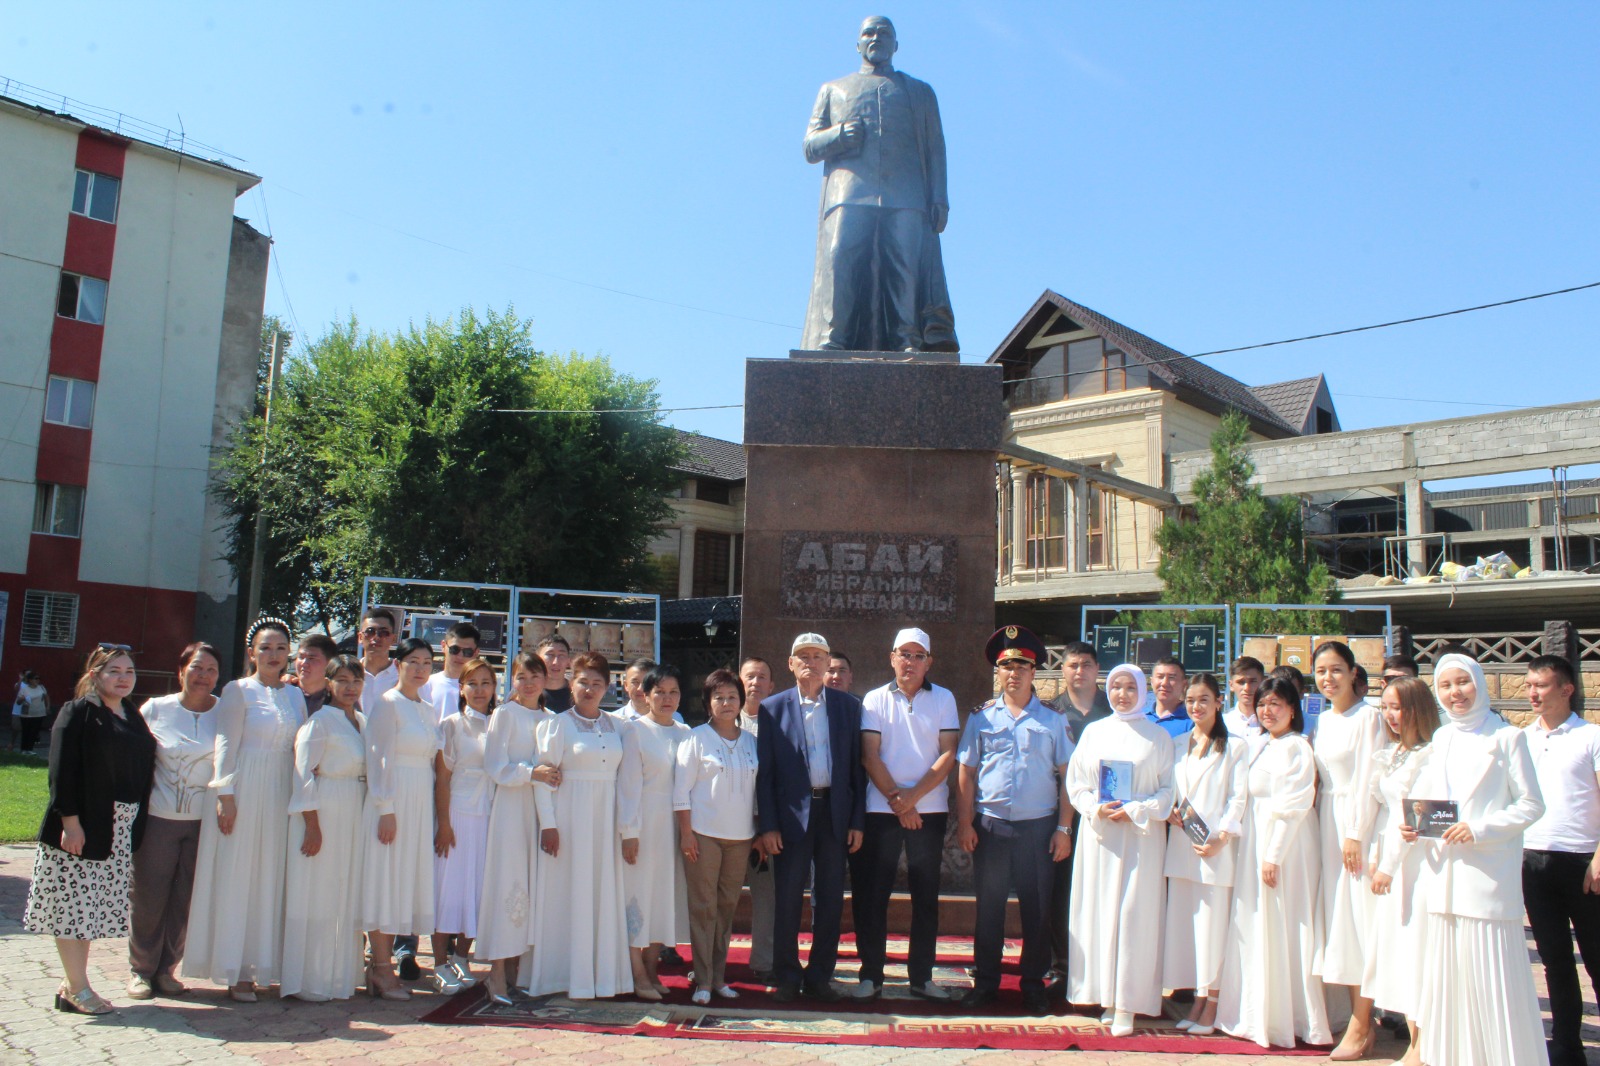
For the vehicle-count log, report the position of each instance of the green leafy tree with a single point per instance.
(1238, 546)
(397, 455)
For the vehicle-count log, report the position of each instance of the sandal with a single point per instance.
(84, 1002)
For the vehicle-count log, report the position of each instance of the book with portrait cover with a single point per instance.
(1430, 818)
(1116, 781)
(1193, 824)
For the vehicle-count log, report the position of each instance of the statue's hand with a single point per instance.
(851, 135)
(938, 215)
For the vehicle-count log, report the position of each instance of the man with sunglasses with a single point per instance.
(443, 690)
(376, 637)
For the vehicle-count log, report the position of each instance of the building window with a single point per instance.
(713, 556)
(49, 619)
(95, 195)
(1096, 533)
(1047, 522)
(58, 509)
(711, 491)
(1116, 370)
(82, 298)
(1324, 420)
(69, 402)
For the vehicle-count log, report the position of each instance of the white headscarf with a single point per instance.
(1473, 717)
(1140, 686)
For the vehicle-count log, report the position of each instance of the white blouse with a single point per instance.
(254, 719)
(400, 733)
(462, 737)
(185, 757)
(1215, 784)
(328, 747)
(716, 783)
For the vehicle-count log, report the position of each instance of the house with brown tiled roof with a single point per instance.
(1096, 410)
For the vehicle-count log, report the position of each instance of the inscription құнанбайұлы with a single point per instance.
(862, 575)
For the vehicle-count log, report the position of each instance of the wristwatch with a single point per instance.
(1066, 830)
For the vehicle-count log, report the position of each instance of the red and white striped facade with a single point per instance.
(172, 365)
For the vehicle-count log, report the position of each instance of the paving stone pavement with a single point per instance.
(205, 1026)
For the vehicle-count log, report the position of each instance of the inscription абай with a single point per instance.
(867, 575)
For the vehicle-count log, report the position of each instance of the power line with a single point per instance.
(1401, 321)
(608, 410)
(277, 263)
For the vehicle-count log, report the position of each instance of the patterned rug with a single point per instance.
(895, 1019)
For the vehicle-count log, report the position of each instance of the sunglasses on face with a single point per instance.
(369, 632)
(465, 653)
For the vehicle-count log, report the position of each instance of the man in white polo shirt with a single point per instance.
(1561, 851)
(909, 730)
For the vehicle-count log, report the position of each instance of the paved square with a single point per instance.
(205, 1026)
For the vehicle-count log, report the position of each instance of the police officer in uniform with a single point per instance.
(1012, 814)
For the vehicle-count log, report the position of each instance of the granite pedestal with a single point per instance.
(870, 506)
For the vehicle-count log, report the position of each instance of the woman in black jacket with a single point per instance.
(102, 762)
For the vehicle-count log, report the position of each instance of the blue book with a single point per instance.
(1116, 781)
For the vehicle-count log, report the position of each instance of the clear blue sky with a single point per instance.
(1211, 174)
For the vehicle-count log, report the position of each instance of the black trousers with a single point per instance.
(28, 728)
(824, 848)
(1558, 911)
(880, 853)
(1061, 904)
(1013, 856)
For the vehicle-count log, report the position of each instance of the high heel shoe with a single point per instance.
(390, 989)
(500, 998)
(1364, 1051)
(84, 1002)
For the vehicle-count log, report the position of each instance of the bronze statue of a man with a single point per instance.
(879, 282)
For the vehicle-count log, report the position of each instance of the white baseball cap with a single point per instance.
(810, 640)
(912, 636)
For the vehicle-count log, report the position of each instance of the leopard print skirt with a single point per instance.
(84, 899)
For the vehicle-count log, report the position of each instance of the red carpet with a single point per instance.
(895, 1019)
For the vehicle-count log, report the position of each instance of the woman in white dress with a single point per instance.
(580, 924)
(397, 868)
(1118, 891)
(1349, 733)
(1394, 969)
(1208, 785)
(714, 797)
(236, 917)
(655, 896)
(1478, 1005)
(163, 867)
(463, 797)
(1269, 993)
(511, 759)
(322, 907)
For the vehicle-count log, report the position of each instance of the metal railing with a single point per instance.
(115, 121)
(1491, 649)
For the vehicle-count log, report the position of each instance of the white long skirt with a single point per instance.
(236, 914)
(1478, 1006)
(397, 878)
(1348, 904)
(1196, 935)
(657, 891)
(1113, 932)
(579, 918)
(458, 877)
(1393, 977)
(322, 901)
(505, 929)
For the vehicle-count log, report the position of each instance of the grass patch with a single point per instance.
(24, 791)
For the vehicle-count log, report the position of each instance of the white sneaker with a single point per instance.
(1122, 1023)
(867, 990)
(930, 991)
(139, 988)
(701, 997)
(463, 971)
(728, 992)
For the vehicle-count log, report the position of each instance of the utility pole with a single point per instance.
(258, 556)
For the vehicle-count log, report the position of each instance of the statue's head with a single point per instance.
(877, 43)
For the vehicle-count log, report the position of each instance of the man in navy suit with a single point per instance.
(811, 807)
